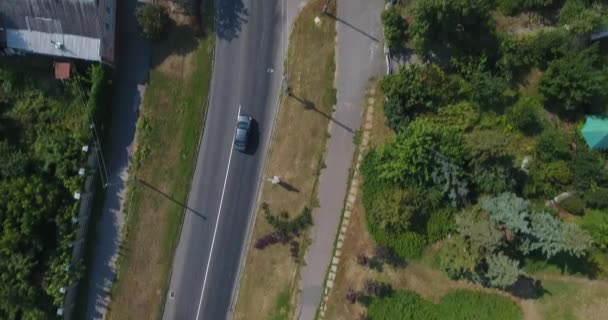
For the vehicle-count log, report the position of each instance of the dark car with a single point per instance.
(243, 131)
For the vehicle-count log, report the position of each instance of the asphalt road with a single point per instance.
(247, 73)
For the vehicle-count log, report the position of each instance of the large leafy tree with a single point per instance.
(576, 82)
(394, 28)
(502, 271)
(414, 155)
(596, 223)
(28, 209)
(450, 24)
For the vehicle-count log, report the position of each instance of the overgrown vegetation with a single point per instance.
(489, 164)
(43, 125)
(152, 19)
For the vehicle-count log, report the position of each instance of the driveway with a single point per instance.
(130, 78)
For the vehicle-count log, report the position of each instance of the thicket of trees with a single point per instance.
(480, 150)
(42, 129)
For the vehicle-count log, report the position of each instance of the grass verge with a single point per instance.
(296, 156)
(168, 131)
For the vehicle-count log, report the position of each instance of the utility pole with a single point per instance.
(286, 84)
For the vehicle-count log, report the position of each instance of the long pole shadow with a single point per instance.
(143, 182)
(352, 27)
(311, 106)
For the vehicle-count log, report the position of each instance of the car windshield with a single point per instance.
(242, 125)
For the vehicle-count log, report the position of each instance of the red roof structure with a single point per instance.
(62, 70)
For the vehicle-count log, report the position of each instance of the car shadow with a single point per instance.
(254, 138)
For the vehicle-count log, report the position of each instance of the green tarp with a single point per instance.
(595, 132)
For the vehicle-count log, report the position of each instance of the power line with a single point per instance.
(99, 154)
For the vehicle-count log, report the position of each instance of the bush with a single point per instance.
(440, 224)
(152, 20)
(513, 7)
(523, 114)
(457, 305)
(596, 223)
(575, 83)
(548, 180)
(597, 198)
(394, 28)
(407, 245)
(415, 90)
(552, 145)
(574, 204)
(464, 304)
(583, 16)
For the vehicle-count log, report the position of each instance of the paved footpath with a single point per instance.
(359, 56)
(131, 74)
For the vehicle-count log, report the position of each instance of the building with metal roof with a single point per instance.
(79, 29)
(595, 132)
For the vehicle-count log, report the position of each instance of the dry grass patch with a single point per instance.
(168, 131)
(296, 156)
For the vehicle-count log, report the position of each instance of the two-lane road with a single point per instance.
(247, 72)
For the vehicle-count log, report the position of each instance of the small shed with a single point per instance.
(62, 70)
(595, 132)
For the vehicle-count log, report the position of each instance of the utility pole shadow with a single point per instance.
(352, 27)
(288, 186)
(309, 105)
(151, 187)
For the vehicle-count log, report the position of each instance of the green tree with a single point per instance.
(523, 114)
(502, 271)
(509, 210)
(394, 28)
(575, 82)
(13, 163)
(152, 20)
(411, 158)
(450, 24)
(28, 213)
(480, 86)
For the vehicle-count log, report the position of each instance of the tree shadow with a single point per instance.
(309, 105)
(181, 204)
(230, 15)
(527, 288)
(178, 39)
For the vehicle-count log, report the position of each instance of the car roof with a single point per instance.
(243, 118)
(241, 135)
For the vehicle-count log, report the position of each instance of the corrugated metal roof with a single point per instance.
(76, 17)
(595, 132)
(65, 45)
